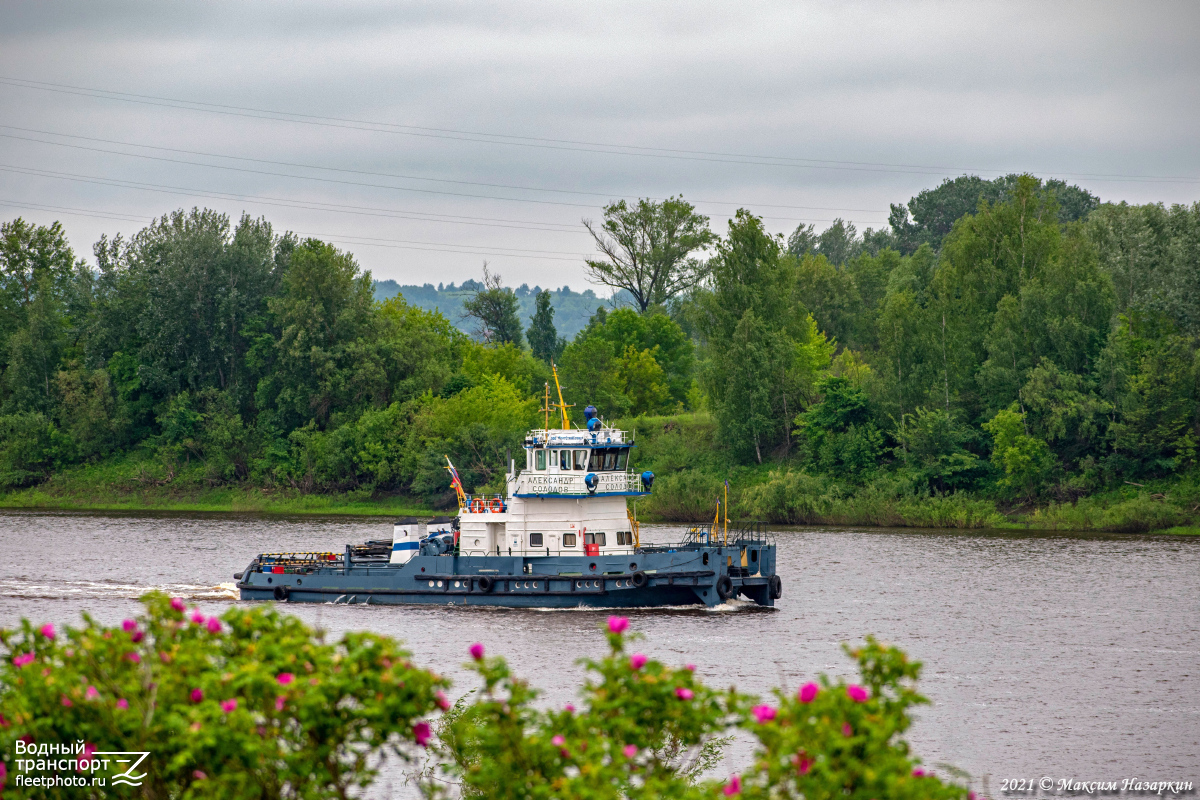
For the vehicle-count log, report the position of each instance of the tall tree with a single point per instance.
(495, 309)
(648, 248)
(544, 340)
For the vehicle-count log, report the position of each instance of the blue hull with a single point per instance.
(651, 577)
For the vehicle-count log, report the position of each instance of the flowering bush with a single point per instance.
(251, 705)
(256, 705)
(645, 730)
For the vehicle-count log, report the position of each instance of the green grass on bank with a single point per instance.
(129, 482)
(691, 472)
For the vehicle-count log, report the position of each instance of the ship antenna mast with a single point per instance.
(546, 408)
(561, 405)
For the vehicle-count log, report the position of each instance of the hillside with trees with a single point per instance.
(1006, 351)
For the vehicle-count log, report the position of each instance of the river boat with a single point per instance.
(561, 536)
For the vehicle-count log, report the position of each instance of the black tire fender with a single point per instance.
(638, 579)
(776, 586)
(282, 593)
(725, 587)
(486, 584)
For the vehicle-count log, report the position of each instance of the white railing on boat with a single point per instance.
(577, 436)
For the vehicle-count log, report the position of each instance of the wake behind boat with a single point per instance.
(560, 537)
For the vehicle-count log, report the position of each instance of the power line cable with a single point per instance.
(405, 177)
(279, 201)
(479, 250)
(426, 216)
(546, 143)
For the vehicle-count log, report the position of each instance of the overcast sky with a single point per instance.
(490, 131)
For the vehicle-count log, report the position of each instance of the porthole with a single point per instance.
(431, 584)
(269, 580)
(298, 581)
(456, 584)
(535, 584)
(632, 568)
(439, 584)
(592, 565)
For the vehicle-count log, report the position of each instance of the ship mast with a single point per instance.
(562, 406)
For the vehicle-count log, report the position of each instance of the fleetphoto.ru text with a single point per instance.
(51, 764)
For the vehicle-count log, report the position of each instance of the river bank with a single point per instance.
(691, 478)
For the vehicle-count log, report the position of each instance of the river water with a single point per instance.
(1056, 655)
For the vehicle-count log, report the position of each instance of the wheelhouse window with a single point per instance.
(610, 459)
(564, 459)
(535, 540)
(539, 459)
(568, 540)
(596, 463)
(621, 455)
(581, 460)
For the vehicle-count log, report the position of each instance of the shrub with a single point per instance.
(643, 727)
(251, 705)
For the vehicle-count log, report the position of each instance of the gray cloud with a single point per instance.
(1067, 89)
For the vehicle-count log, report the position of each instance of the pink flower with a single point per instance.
(137, 636)
(684, 693)
(23, 659)
(618, 624)
(476, 651)
(734, 786)
(918, 772)
(279, 701)
(177, 604)
(803, 764)
(284, 678)
(440, 698)
(128, 625)
(637, 661)
(857, 693)
(91, 693)
(47, 630)
(197, 695)
(808, 692)
(86, 759)
(122, 704)
(3, 774)
(198, 775)
(213, 625)
(570, 709)
(630, 750)
(847, 731)
(66, 701)
(422, 733)
(228, 705)
(134, 657)
(763, 714)
(198, 618)
(690, 667)
(558, 741)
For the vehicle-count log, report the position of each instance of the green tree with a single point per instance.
(648, 249)
(544, 340)
(933, 447)
(838, 433)
(494, 308)
(762, 351)
(323, 358)
(1026, 460)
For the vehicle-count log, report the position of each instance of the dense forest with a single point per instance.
(572, 310)
(1005, 350)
